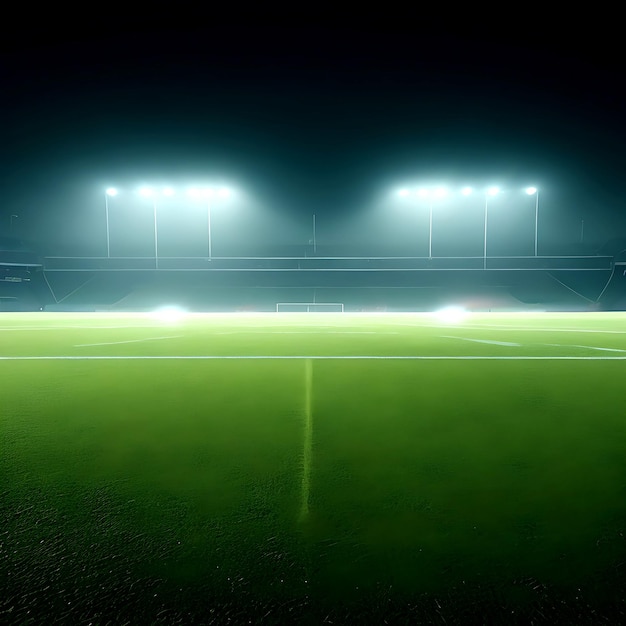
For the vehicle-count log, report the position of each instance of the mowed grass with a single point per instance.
(154, 490)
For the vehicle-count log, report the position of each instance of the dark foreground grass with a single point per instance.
(301, 491)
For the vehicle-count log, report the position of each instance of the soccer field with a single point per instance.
(285, 467)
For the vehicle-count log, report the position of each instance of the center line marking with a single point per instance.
(308, 439)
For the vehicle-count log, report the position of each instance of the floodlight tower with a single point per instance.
(490, 193)
(533, 191)
(148, 192)
(430, 195)
(208, 193)
(111, 192)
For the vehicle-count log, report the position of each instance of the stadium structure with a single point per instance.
(29, 282)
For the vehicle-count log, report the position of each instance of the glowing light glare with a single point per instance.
(403, 193)
(168, 191)
(112, 191)
(169, 314)
(224, 192)
(423, 193)
(440, 192)
(493, 191)
(531, 191)
(467, 191)
(451, 314)
(146, 192)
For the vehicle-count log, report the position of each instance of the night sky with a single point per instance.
(312, 116)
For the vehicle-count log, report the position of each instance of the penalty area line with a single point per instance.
(227, 357)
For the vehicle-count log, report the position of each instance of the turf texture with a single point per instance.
(307, 467)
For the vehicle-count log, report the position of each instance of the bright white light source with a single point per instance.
(451, 314)
(403, 193)
(531, 191)
(168, 191)
(224, 192)
(440, 192)
(467, 191)
(146, 192)
(112, 191)
(423, 193)
(169, 314)
(207, 192)
(493, 191)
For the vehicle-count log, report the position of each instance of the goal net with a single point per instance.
(309, 307)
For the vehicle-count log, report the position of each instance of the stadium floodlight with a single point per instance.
(168, 191)
(467, 191)
(533, 191)
(430, 194)
(148, 192)
(490, 193)
(208, 194)
(110, 192)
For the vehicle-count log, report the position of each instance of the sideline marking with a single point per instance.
(308, 439)
(113, 343)
(495, 343)
(267, 357)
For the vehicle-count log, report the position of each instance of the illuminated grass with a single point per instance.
(134, 487)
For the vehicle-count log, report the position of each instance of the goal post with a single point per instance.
(309, 307)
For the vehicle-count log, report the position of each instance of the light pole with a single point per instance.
(491, 191)
(424, 193)
(148, 192)
(208, 193)
(11, 223)
(533, 191)
(430, 195)
(111, 192)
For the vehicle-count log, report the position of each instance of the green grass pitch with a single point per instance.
(285, 467)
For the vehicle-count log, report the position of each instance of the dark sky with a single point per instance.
(309, 115)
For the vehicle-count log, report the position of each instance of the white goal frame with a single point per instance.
(309, 307)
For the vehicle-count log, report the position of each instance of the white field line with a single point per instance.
(307, 451)
(490, 341)
(573, 345)
(270, 357)
(545, 330)
(12, 328)
(306, 332)
(114, 343)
